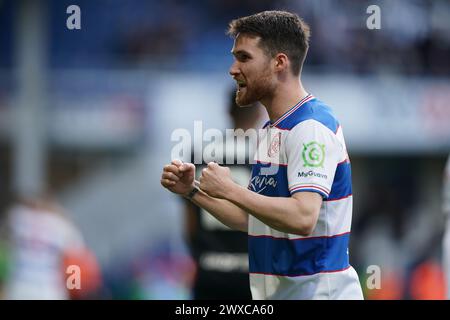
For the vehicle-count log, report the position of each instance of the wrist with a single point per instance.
(190, 195)
(231, 191)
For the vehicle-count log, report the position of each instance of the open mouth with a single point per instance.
(241, 84)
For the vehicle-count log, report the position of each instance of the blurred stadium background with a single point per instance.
(89, 113)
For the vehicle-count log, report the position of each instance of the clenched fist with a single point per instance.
(178, 177)
(216, 180)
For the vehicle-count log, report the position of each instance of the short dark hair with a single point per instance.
(280, 31)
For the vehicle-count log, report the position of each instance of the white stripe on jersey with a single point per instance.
(330, 222)
(341, 285)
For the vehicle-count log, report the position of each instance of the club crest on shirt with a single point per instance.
(275, 144)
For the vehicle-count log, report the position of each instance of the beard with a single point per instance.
(255, 90)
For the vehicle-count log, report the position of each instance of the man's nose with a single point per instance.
(234, 70)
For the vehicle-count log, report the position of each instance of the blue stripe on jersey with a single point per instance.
(298, 257)
(313, 109)
(269, 180)
(342, 183)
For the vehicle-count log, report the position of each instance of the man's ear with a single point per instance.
(281, 62)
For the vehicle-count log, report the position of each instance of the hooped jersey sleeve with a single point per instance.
(313, 153)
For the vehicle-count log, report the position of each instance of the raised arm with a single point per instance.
(178, 177)
(297, 214)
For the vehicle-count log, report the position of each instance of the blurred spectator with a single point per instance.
(90, 275)
(41, 241)
(165, 271)
(221, 253)
(427, 281)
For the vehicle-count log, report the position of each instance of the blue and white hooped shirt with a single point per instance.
(304, 150)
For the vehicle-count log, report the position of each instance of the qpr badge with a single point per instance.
(275, 145)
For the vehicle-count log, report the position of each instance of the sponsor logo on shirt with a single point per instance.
(260, 183)
(311, 173)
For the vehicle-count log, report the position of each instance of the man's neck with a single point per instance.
(284, 98)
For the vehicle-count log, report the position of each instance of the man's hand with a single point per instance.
(178, 177)
(216, 180)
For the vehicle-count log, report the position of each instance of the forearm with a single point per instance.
(223, 210)
(284, 214)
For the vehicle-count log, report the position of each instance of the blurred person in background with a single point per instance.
(298, 206)
(42, 243)
(446, 210)
(221, 253)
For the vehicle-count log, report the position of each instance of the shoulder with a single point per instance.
(312, 113)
